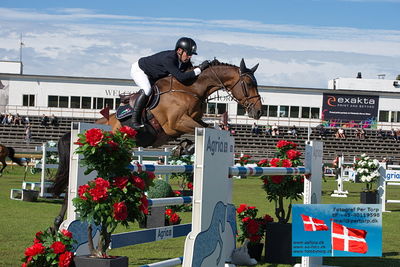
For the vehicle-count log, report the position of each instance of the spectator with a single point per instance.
(275, 130)
(17, 119)
(381, 134)
(2, 115)
(53, 121)
(28, 133)
(44, 121)
(362, 133)
(340, 133)
(294, 131)
(393, 134)
(268, 130)
(358, 133)
(25, 120)
(321, 131)
(255, 129)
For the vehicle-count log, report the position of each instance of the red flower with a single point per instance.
(113, 144)
(241, 208)
(263, 163)
(100, 182)
(255, 238)
(275, 162)
(120, 211)
(150, 175)
(177, 193)
(277, 179)
(121, 182)
(58, 247)
(168, 212)
(138, 182)
(35, 249)
(36, 240)
(128, 131)
(190, 185)
(251, 208)
(246, 219)
(66, 233)
(145, 204)
(94, 136)
(98, 193)
(265, 180)
(82, 190)
(253, 227)
(286, 163)
(65, 259)
(268, 218)
(293, 154)
(174, 218)
(39, 234)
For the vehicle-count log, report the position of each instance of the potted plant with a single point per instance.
(367, 172)
(243, 160)
(171, 217)
(252, 229)
(116, 196)
(185, 180)
(279, 188)
(50, 250)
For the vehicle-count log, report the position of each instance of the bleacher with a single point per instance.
(259, 146)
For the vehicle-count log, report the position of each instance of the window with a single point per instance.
(273, 111)
(284, 111)
(109, 102)
(75, 102)
(28, 100)
(384, 116)
(294, 112)
(314, 113)
(63, 101)
(211, 108)
(52, 101)
(86, 102)
(305, 112)
(264, 110)
(395, 116)
(221, 108)
(240, 110)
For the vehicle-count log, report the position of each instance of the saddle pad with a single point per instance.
(124, 112)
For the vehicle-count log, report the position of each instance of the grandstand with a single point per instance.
(259, 146)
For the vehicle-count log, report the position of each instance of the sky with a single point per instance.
(299, 43)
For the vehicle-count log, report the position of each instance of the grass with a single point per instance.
(19, 221)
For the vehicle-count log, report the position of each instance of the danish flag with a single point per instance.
(312, 224)
(348, 239)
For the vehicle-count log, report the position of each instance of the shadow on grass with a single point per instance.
(363, 261)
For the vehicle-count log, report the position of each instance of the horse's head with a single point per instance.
(246, 92)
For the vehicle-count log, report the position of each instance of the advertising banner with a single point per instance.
(350, 110)
(337, 230)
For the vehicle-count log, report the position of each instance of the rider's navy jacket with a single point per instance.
(164, 63)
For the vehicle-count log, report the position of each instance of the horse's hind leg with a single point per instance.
(3, 161)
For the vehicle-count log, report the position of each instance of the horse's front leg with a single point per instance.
(4, 166)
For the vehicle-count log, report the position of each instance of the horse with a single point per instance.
(8, 152)
(178, 112)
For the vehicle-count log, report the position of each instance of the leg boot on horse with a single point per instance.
(140, 104)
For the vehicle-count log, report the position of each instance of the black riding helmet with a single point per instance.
(188, 45)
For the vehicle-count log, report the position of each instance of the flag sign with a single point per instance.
(348, 239)
(313, 224)
(337, 230)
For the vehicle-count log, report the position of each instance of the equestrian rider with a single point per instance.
(148, 70)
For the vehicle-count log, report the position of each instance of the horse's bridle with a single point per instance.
(244, 102)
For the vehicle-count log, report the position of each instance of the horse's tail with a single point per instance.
(62, 175)
(11, 155)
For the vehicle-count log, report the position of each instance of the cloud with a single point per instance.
(80, 42)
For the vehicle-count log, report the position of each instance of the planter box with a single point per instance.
(278, 243)
(87, 261)
(369, 197)
(255, 250)
(155, 218)
(186, 193)
(29, 195)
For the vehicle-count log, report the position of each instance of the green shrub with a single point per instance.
(160, 189)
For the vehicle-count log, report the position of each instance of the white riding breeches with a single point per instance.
(140, 78)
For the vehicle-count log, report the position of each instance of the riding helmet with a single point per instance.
(188, 45)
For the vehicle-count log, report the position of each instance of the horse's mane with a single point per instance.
(216, 62)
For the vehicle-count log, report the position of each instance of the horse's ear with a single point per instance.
(243, 67)
(253, 69)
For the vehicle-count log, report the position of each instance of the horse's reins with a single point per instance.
(245, 90)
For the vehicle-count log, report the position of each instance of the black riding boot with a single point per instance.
(140, 104)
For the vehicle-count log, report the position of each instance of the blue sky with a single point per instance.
(301, 43)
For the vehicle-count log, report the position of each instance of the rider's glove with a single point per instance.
(204, 65)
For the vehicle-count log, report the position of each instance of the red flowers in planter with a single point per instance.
(49, 250)
(252, 228)
(171, 217)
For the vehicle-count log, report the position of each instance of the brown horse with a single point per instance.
(7, 152)
(179, 111)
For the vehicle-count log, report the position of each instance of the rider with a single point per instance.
(148, 70)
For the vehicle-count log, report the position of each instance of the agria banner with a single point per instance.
(350, 110)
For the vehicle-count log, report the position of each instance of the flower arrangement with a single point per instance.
(50, 250)
(185, 180)
(367, 170)
(279, 187)
(244, 160)
(116, 196)
(252, 228)
(171, 217)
